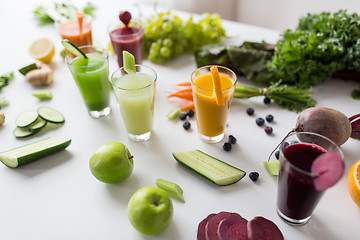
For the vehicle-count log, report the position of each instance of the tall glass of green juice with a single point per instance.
(135, 94)
(92, 78)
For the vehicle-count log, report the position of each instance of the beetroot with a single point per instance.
(233, 228)
(261, 228)
(330, 168)
(355, 124)
(211, 229)
(202, 226)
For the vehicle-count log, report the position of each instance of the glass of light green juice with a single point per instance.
(92, 78)
(135, 94)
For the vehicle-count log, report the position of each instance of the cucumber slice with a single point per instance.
(22, 132)
(26, 118)
(28, 68)
(50, 115)
(28, 153)
(272, 167)
(129, 62)
(37, 125)
(172, 189)
(43, 94)
(209, 167)
(73, 49)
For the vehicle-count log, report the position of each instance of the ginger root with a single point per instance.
(41, 76)
(2, 118)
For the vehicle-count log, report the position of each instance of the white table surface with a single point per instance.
(58, 198)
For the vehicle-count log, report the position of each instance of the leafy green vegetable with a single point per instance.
(321, 45)
(5, 78)
(61, 12)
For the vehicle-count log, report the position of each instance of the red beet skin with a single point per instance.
(201, 227)
(233, 228)
(261, 228)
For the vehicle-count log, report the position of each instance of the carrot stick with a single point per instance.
(183, 84)
(187, 106)
(188, 89)
(217, 85)
(184, 95)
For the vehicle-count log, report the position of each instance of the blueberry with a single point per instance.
(268, 130)
(227, 147)
(254, 176)
(186, 125)
(269, 118)
(250, 111)
(232, 139)
(260, 121)
(267, 100)
(190, 113)
(277, 154)
(183, 116)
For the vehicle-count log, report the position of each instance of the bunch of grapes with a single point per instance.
(167, 36)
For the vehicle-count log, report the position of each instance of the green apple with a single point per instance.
(150, 210)
(111, 163)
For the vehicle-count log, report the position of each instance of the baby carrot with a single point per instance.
(187, 106)
(183, 84)
(184, 95)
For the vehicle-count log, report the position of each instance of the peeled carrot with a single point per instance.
(183, 84)
(185, 93)
(188, 106)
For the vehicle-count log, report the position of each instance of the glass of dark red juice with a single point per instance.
(127, 37)
(298, 194)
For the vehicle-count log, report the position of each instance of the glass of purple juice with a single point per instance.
(128, 38)
(297, 195)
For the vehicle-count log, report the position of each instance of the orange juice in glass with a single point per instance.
(211, 115)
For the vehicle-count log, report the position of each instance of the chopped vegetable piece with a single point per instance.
(5, 78)
(209, 167)
(21, 132)
(3, 102)
(173, 114)
(272, 167)
(188, 106)
(26, 118)
(172, 189)
(40, 77)
(73, 49)
(42, 94)
(129, 62)
(28, 68)
(28, 153)
(50, 115)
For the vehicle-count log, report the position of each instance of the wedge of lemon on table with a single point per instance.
(353, 182)
(42, 49)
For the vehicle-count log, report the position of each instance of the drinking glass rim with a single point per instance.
(103, 53)
(309, 173)
(209, 66)
(136, 89)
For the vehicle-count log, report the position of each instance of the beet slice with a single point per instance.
(201, 227)
(261, 228)
(233, 228)
(330, 168)
(211, 229)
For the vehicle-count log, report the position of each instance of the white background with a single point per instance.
(58, 198)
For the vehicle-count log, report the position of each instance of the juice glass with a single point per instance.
(135, 94)
(92, 78)
(210, 117)
(70, 30)
(129, 38)
(297, 195)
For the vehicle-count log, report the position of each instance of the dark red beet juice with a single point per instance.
(129, 39)
(297, 196)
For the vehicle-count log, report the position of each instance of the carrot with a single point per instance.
(183, 84)
(187, 106)
(185, 93)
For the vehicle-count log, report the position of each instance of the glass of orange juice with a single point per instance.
(211, 116)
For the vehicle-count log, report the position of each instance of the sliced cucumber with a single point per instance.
(28, 68)
(73, 49)
(129, 62)
(22, 132)
(28, 153)
(272, 167)
(171, 188)
(211, 168)
(50, 115)
(37, 125)
(26, 118)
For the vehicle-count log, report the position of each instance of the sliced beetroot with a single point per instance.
(261, 228)
(201, 227)
(233, 228)
(330, 168)
(211, 229)
(355, 124)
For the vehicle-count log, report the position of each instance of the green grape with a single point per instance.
(165, 52)
(167, 42)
